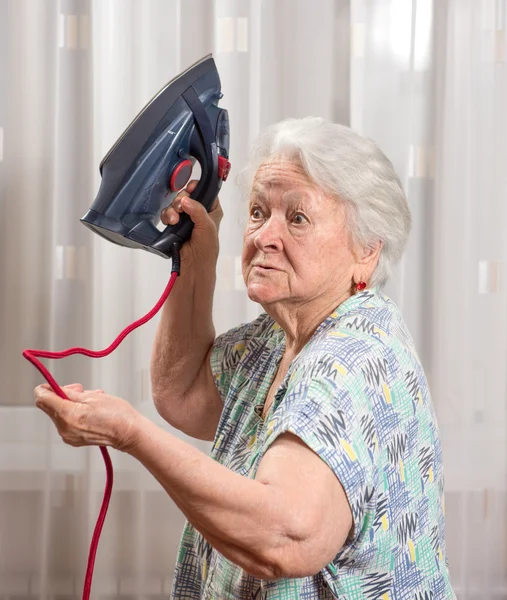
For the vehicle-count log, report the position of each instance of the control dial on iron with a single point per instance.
(224, 166)
(180, 175)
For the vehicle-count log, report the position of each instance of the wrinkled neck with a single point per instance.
(299, 321)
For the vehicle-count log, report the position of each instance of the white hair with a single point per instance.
(354, 170)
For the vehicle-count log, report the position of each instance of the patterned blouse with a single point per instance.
(358, 397)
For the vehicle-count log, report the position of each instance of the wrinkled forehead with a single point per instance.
(285, 177)
(279, 191)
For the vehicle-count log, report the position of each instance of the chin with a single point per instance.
(262, 294)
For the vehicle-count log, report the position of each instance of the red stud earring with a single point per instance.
(360, 286)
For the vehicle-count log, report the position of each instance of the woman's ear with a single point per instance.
(371, 254)
(367, 260)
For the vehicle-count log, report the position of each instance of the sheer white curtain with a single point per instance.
(429, 83)
(426, 79)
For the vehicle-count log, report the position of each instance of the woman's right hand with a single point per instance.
(203, 244)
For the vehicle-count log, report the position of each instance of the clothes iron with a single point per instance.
(153, 159)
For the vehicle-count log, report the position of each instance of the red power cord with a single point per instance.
(33, 355)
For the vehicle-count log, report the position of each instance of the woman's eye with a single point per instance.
(299, 219)
(256, 214)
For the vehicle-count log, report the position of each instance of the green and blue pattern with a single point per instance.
(358, 397)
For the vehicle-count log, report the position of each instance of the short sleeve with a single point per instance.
(228, 350)
(327, 408)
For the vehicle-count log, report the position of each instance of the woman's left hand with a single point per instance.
(89, 417)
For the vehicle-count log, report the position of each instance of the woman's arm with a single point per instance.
(288, 522)
(183, 389)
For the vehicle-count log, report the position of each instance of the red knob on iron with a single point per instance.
(180, 175)
(224, 166)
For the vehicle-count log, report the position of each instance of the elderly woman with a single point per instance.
(325, 478)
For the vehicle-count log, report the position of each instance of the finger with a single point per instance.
(90, 394)
(176, 203)
(44, 386)
(191, 185)
(73, 386)
(49, 412)
(48, 401)
(52, 415)
(169, 216)
(185, 192)
(195, 210)
(75, 395)
(41, 387)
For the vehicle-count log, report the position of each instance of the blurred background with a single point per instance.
(426, 79)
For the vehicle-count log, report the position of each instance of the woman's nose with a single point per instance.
(269, 238)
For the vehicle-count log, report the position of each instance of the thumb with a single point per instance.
(74, 392)
(195, 210)
(75, 386)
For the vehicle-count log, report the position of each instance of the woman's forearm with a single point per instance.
(183, 388)
(184, 335)
(242, 518)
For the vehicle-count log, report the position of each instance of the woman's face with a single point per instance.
(296, 245)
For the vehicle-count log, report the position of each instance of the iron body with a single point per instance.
(153, 159)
